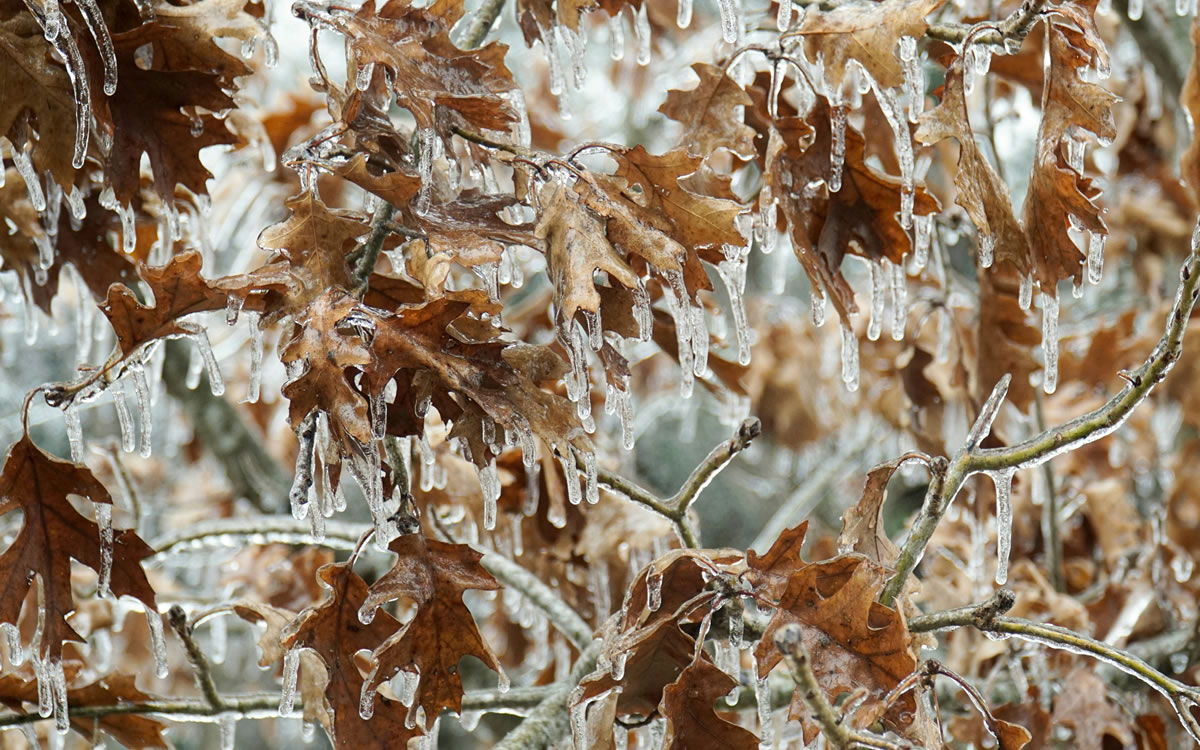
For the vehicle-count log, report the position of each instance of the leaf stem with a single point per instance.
(675, 508)
(1053, 441)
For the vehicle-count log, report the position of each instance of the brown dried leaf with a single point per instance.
(130, 730)
(1083, 706)
(52, 533)
(692, 724)
(709, 114)
(434, 576)
(862, 523)
(333, 630)
(854, 641)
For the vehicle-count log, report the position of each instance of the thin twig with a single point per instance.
(675, 508)
(989, 618)
(266, 705)
(342, 535)
(364, 257)
(200, 669)
(1096, 424)
(482, 23)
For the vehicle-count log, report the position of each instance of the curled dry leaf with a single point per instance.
(692, 724)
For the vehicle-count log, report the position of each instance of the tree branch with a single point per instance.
(364, 258)
(482, 22)
(203, 674)
(675, 508)
(989, 618)
(1051, 442)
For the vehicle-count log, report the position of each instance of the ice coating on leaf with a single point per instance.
(158, 643)
(654, 581)
(616, 36)
(578, 721)
(643, 35)
(427, 141)
(899, 300)
(875, 324)
(849, 357)
(987, 250)
(362, 80)
(489, 485)
(1025, 292)
(731, 21)
(837, 152)
(1095, 257)
(683, 14)
(215, 382)
(1003, 482)
(104, 524)
(819, 303)
(1050, 341)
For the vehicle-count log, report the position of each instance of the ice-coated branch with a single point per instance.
(200, 668)
(342, 535)
(364, 257)
(550, 721)
(1053, 441)
(1011, 32)
(266, 706)
(482, 22)
(789, 641)
(989, 617)
(675, 508)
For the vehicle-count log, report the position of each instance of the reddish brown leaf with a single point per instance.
(692, 724)
(710, 114)
(52, 533)
(433, 575)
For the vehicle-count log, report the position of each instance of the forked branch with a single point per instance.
(1054, 441)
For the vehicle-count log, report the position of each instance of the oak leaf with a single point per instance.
(868, 33)
(434, 576)
(854, 641)
(692, 724)
(710, 114)
(1085, 708)
(333, 630)
(52, 533)
(652, 657)
(862, 523)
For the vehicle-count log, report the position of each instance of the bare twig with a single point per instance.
(482, 22)
(973, 459)
(989, 618)
(200, 669)
(364, 257)
(675, 508)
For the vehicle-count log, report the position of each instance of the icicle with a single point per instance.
(95, 23)
(680, 306)
(158, 643)
(762, 699)
(427, 139)
(74, 430)
(303, 478)
(837, 153)
(218, 632)
(654, 581)
(1003, 481)
(142, 389)
(683, 14)
(818, 307)
(922, 241)
(914, 77)
(227, 726)
(1050, 342)
(641, 30)
(591, 486)
(489, 485)
(899, 301)
(1095, 260)
(215, 382)
(616, 36)
(574, 496)
(233, 308)
(75, 202)
(256, 358)
(1135, 9)
(733, 272)
(875, 324)
(195, 368)
(1025, 293)
(406, 689)
(643, 315)
(366, 695)
(849, 357)
(1183, 7)
(783, 18)
(778, 77)
(362, 81)
(104, 523)
(128, 230)
(730, 21)
(12, 639)
(595, 330)
(768, 215)
(29, 311)
(577, 50)
(24, 164)
(987, 248)
(58, 690)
